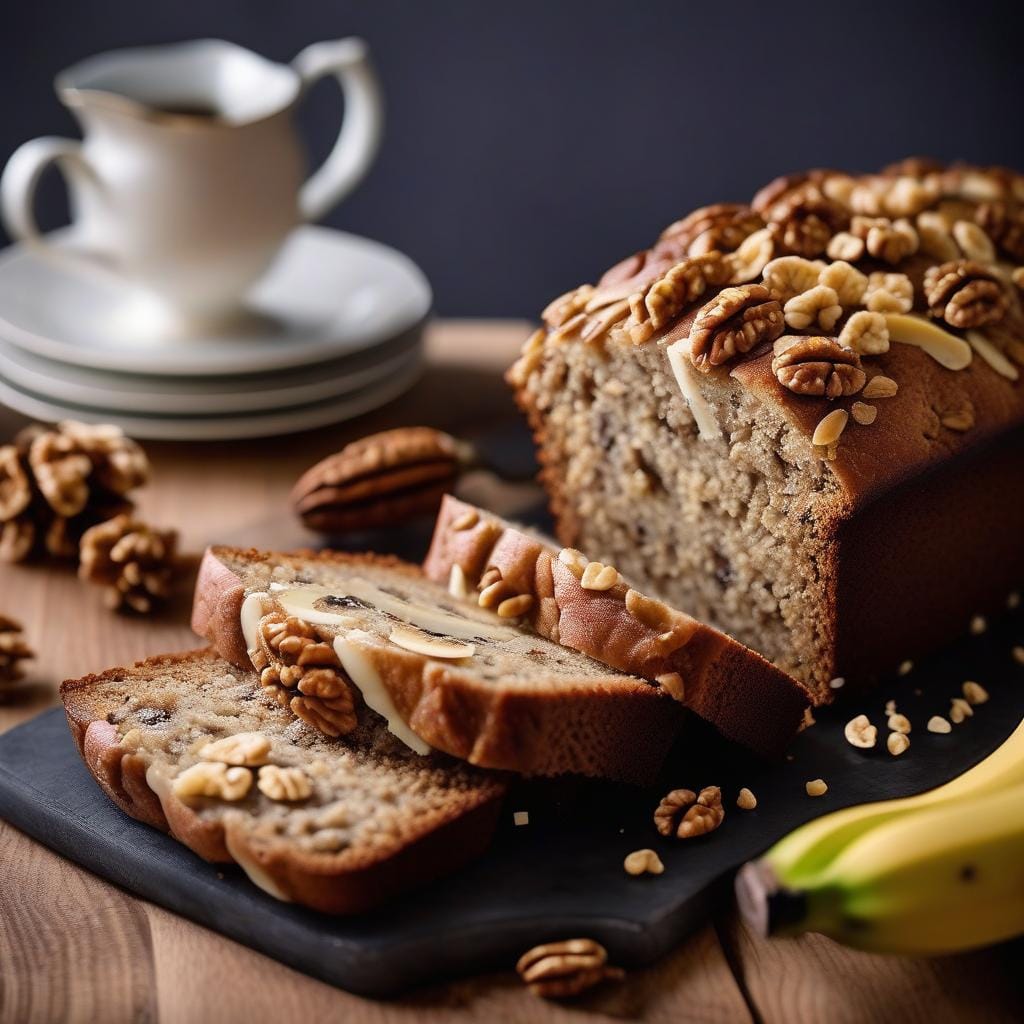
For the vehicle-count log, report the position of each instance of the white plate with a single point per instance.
(328, 295)
(195, 396)
(220, 428)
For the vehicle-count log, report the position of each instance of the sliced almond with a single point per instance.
(830, 428)
(880, 387)
(946, 349)
(419, 642)
(992, 355)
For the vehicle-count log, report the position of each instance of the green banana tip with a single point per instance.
(764, 903)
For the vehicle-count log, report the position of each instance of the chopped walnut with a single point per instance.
(246, 749)
(863, 413)
(745, 800)
(723, 226)
(732, 323)
(560, 311)
(685, 814)
(134, 562)
(816, 787)
(845, 246)
(897, 743)
(597, 576)
(787, 276)
(558, 970)
(804, 221)
(938, 724)
(973, 242)
(531, 356)
(1005, 226)
(13, 651)
(303, 673)
(817, 366)
(213, 779)
(817, 307)
(748, 262)
(866, 333)
(643, 862)
(859, 732)
(909, 195)
(888, 293)
(889, 240)
(846, 281)
(965, 294)
(665, 299)
(974, 693)
(284, 783)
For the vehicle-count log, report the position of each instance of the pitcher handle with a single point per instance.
(359, 138)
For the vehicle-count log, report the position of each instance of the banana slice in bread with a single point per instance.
(191, 745)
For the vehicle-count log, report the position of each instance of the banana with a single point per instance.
(810, 848)
(945, 878)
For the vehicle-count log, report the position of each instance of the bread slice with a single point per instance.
(746, 698)
(378, 819)
(445, 673)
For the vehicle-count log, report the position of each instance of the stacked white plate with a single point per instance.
(333, 330)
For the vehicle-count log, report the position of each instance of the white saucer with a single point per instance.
(221, 428)
(150, 395)
(328, 295)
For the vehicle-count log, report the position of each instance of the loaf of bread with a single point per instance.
(339, 637)
(589, 607)
(193, 746)
(802, 419)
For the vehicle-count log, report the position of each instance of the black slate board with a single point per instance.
(561, 875)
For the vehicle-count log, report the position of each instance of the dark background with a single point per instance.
(529, 145)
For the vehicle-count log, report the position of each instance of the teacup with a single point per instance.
(190, 173)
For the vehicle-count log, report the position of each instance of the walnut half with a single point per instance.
(687, 814)
(965, 294)
(732, 323)
(817, 366)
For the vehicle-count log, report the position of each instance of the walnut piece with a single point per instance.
(245, 749)
(965, 294)
(865, 333)
(1005, 226)
(687, 814)
(598, 576)
(562, 309)
(666, 298)
(817, 366)
(723, 226)
(817, 307)
(749, 260)
(859, 732)
(284, 783)
(846, 281)
(304, 674)
(213, 779)
(13, 651)
(136, 563)
(889, 240)
(643, 862)
(845, 246)
(805, 221)
(888, 293)
(732, 323)
(787, 276)
(15, 489)
(557, 970)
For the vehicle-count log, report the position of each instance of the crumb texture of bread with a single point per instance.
(378, 820)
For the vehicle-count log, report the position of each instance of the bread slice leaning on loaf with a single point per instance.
(589, 607)
(444, 673)
(337, 825)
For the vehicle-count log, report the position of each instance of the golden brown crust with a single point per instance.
(346, 883)
(749, 700)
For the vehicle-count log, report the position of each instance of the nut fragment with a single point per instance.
(897, 743)
(558, 970)
(936, 240)
(213, 779)
(597, 576)
(978, 625)
(958, 419)
(959, 710)
(865, 333)
(787, 276)
(888, 293)
(671, 683)
(575, 561)
(284, 783)
(732, 323)
(699, 814)
(887, 240)
(513, 607)
(1005, 226)
(564, 307)
(13, 651)
(859, 732)
(974, 693)
(973, 242)
(830, 428)
(898, 723)
(641, 862)
(863, 413)
(419, 642)
(246, 749)
(723, 226)
(846, 281)
(965, 294)
(664, 300)
(817, 366)
(880, 387)
(816, 787)
(746, 801)
(939, 724)
(819, 306)
(805, 220)
(749, 260)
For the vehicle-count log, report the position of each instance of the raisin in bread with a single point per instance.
(802, 418)
(589, 607)
(190, 745)
(337, 637)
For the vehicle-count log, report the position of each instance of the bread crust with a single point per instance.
(334, 884)
(749, 700)
(618, 727)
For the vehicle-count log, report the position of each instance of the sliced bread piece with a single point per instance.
(339, 636)
(589, 607)
(337, 825)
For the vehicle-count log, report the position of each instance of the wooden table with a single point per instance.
(75, 948)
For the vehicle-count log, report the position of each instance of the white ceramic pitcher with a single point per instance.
(190, 173)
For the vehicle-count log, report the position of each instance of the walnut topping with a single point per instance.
(888, 293)
(965, 294)
(865, 333)
(723, 226)
(845, 246)
(938, 724)
(558, 970)
(974, 693)
(887, 240)
(246, 749)
(936, 240)
(863, 413)
(816, 787)
(213, 779)
(575, 561)
(897, 743)
(817, 366)
(531, 356)
(973, 241)
(787, 276)
(819, 306)
(898, 723)
(643, 862)
(846, 281)
(746, 801)
(859, 732)
(136, 563)
(805, 220)
(909, 195)
(560, 311)
(685, 814)
(304, 674)
(284, 783)
(732, 323)
(750, 259)
(597, 576)
(666, 298)
(830, 428)
(1005, 226)
(880, 387)
(13, 651)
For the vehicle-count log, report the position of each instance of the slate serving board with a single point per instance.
(561, 875)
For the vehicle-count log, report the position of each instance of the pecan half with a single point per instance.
(732, 323)
(1005, 226)
(805, 221)
(817, 366)
(965, 294)
(557, 970)
(686, 814)
(722, 226)
(381, 480)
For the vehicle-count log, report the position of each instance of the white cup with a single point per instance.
(190, 173)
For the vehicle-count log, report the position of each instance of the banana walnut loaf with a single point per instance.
(801, 418)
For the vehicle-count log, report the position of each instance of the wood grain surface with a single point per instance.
(75, 948)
